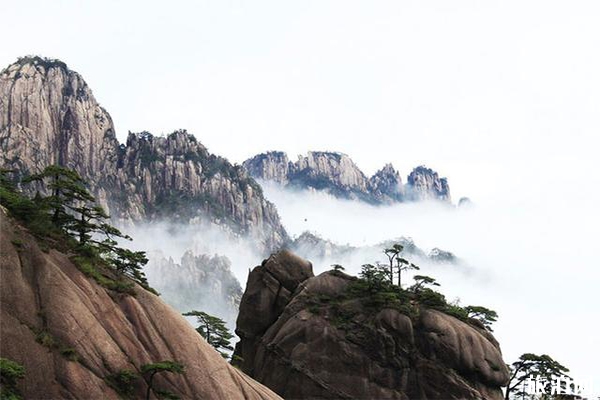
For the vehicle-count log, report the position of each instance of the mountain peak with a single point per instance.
(337, 174)
(38, 62)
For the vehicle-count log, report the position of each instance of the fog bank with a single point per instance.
(529, 258)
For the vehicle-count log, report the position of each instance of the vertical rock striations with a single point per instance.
(48, 115)
(312, 339)
(425, 184)
(337, 174)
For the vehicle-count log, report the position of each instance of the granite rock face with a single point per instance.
(72, 334)
(341, 350)
(338, 175)
(197, 282)
(48, 115)
(425, 184)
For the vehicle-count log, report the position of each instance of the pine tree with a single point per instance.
(213, 329)
(150, 370)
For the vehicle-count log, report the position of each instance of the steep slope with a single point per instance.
(72, 335)
(307, 342)
(48, 115)
(338, 175)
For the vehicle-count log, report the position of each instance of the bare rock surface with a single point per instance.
(342, 350)
(48, 115)
(43, 294)
(337, 174)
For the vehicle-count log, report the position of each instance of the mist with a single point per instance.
(187, 287)
(528, 258)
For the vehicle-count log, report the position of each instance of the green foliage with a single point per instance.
(71, 216)
(46, 339)
(213, 329)
(10, 372)
(123, 382)
(421, 281)
(482, 314)
(432, 299)
(532, 366)
(150, 370)
(69, 353)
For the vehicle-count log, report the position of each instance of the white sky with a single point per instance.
(502, 97)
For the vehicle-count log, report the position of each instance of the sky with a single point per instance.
(501, 97)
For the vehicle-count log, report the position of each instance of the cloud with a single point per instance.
(531, 261)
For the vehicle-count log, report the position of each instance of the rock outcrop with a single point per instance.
(425, 184)
(338, 175)
(305, 345)
(197, 282)
(48, 115)
(74, 336)
(324, 252)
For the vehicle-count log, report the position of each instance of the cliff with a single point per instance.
(74, 336)
(48, 115)
(197, 282)
(307, 341)
(338, 175)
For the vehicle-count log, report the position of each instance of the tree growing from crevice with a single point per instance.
(149, 371)
(214, 331)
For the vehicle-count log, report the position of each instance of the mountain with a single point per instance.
(338, 175)
(307, 336)
(77, 339)
(48, 115)
(325, 252)
(197, 282)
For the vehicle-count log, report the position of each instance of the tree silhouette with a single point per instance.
(67, 191)
(402, 265)
(74, 211)
(393, 253)
(213, 329)
(532, 366)
(483, 315)
(337, 268)
(150, 370)
(421, 281)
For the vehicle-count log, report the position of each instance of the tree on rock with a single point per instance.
(393, 253)
(67, 190)
(422, 281)
(402, 265)
(213, 329)
(483, 315)
(531, 366)
(150, 370)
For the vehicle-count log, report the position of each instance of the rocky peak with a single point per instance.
(337, 168)
(271, 166)
(386, 184)
(312, 340)
(336, 174)
(75, 337)
(48, 115)
(197, 282)
(425, 184)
